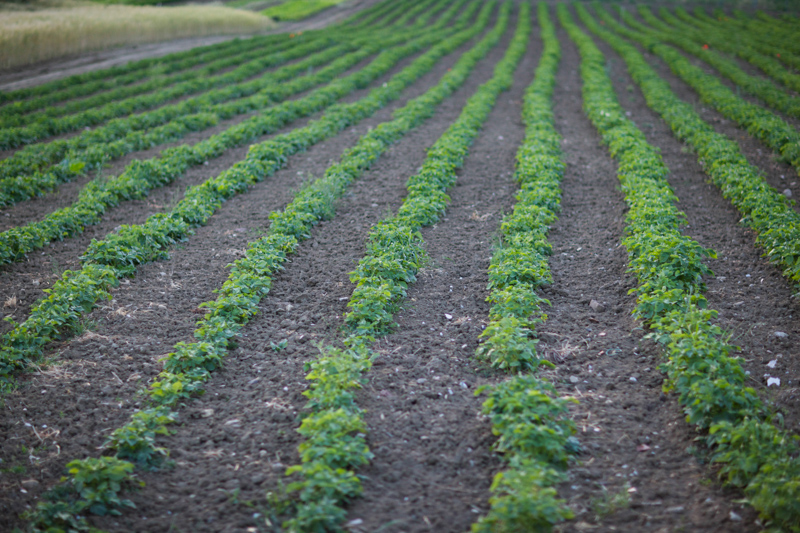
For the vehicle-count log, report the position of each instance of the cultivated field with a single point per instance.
(446, 265)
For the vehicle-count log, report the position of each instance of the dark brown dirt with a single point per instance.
(28, 279)
(32, 209)
(603, 361)
(158, 308)
(433, 461)
(754, 299)
(303, 318)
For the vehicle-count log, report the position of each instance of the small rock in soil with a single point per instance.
(574, 379)
(597, 306)
(781, 334)
(735, 517)
(787, 193)
(30, 483)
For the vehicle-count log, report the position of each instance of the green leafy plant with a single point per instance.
(279, 346)
(535, 434)
(186, 369)
(611, 502)
(120, 253)
(334, 429)
(756, 456)
(93, 487)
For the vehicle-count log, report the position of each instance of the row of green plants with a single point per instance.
(785, 23)
(732, 43)
(91, 148)
(752, 453)
(34, 110)
(533, 429)
(334, 428)
(46, 127)
(93, 81)
(38, 156)
(242, 57)
(142, 176)
(713, 37)
(692, 42)
(191, 364)
(763, 209)
(119, 254)
(764, 125)
(99, 80)
(298, 9)
(13, 118)
(769, 38)
(380, 13)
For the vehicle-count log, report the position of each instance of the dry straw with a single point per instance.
(27, 37)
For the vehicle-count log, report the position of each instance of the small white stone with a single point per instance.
(774, 381)
(781, 334)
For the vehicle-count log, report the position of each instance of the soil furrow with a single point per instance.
(153, 311)
(27, 280)
(433, 461)
(31, 210)
(634, 438)
(751, 295)
(305, 306)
